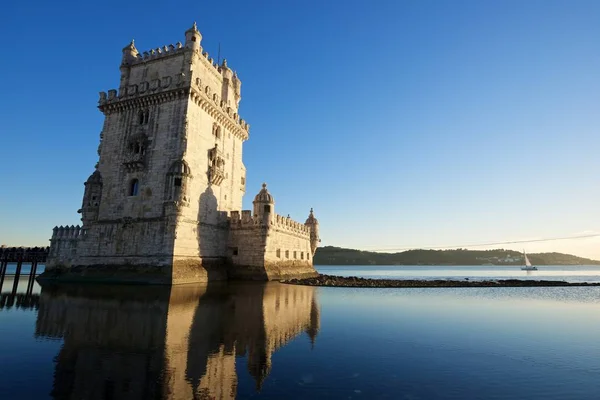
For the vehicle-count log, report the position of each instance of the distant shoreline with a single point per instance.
(353, 281)
(330, 255)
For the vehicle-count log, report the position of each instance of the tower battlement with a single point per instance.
(247, 220)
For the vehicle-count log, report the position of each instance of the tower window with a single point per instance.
(134, 187)
(217, 131)
(177, 182)
(143, 117)
(267, 208)
(243, 180)
(193, 38)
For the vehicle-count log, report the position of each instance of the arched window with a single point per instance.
(134, 187)
(177, 177)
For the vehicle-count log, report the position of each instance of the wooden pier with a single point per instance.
(20, 256)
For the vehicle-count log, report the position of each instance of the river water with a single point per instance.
(276, 341)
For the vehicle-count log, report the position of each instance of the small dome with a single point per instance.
(95, 178)
(264, 196)
(311, 218)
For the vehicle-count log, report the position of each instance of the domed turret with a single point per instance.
(92, 196)
(313, 225)
(193, 37)
(264, 205)
(130, 53)
(95, 177)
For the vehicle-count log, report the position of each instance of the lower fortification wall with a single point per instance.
(128, 250)
(64, 245)
(288, 255)
(261, 251)
(247, 252)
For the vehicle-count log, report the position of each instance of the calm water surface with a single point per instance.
(280, 341)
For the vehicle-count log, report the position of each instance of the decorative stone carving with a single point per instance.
(165, 82)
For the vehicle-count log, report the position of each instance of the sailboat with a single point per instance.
(528, 266)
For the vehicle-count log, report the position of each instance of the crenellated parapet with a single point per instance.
(245, 220)
(289, 225)
(66, 232)
(158, 53)
(217, 108)
(157, 92)
(63, 245)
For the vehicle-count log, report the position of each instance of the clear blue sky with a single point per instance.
(403, 123)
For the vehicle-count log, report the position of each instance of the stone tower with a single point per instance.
(169, 181)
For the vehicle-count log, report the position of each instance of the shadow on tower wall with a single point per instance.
(212, 234)
(142, 342)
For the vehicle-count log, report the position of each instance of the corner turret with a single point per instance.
(91, 198)
(193, 37)
(264, 205)
(230, 92)
(130, 54)
(313, 225)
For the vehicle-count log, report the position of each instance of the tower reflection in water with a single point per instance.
(169, 343)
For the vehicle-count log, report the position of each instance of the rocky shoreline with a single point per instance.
(353, 281)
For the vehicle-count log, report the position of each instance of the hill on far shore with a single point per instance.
(330, 255)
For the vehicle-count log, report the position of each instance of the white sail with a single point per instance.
(527, 263)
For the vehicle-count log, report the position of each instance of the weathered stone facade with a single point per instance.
(163, 204)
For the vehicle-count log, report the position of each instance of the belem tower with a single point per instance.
(163, 204)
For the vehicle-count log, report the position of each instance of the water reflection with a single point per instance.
(179, 343)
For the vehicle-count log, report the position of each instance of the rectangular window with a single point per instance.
(177, 181)
(294, 255)
(278, 253)
(302, 255)
(287, 254)
(234, 251)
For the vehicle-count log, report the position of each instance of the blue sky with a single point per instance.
(403, 123)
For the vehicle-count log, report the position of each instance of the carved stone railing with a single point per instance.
(135, 162)
(216, 175)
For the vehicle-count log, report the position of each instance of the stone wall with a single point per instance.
(64, 246)
(269, 249)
